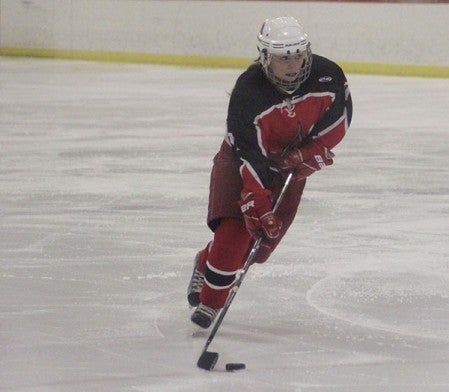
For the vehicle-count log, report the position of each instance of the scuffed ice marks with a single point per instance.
(104, 174)
(405, 303)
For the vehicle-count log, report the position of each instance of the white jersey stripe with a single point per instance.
(220, 272)
(248, 167)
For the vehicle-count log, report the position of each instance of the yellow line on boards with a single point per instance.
(217, 62)
(430, 71)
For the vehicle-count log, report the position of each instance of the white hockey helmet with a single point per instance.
(284, 36)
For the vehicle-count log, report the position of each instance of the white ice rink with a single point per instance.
(104, 172)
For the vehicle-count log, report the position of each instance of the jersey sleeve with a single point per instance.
(245, 140)
(335, 120)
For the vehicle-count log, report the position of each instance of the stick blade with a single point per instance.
(207, 360)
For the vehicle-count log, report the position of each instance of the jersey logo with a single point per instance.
(290, 107)
(325, 79)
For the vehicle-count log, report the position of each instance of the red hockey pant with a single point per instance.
(227, 253)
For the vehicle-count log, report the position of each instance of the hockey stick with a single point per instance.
(208, 359)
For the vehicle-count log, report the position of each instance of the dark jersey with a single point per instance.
(263, 121)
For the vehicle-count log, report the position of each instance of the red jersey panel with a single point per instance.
(262, 121)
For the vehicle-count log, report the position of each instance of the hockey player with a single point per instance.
(286, 112)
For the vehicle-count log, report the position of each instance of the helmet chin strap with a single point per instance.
(285, 89)
(282, 85)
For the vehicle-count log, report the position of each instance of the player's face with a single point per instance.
(287, 67)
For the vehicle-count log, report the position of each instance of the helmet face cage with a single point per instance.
(284, 36)
(286, 85)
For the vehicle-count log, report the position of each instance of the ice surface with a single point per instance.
(104, 172)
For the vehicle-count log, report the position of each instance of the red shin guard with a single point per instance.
(226, 255)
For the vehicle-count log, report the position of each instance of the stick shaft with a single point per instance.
(248, 262)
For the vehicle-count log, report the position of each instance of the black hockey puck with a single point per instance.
(232, 367)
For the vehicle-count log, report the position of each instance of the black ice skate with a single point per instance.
(195, 284)
(204, 316)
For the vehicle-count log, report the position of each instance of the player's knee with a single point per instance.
(231, 240)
